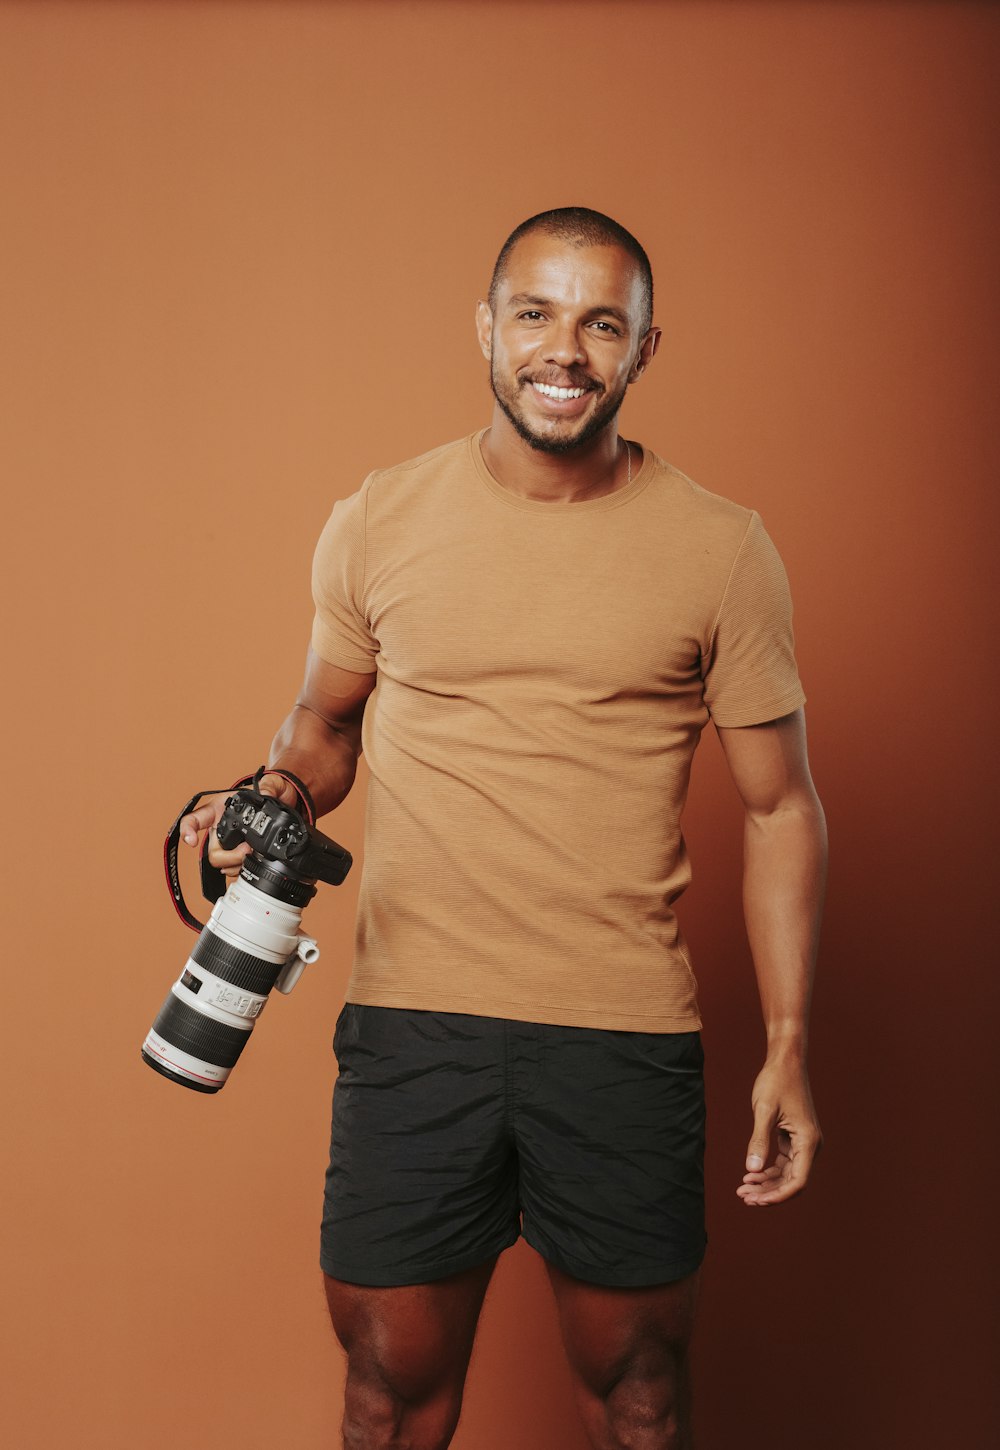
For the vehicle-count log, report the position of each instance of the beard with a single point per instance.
(554, 442)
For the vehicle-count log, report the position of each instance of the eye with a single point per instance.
(607, 327)
(530, 316)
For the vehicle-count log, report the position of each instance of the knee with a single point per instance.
(407, 1352)
(641, 1405)
(647, 1408)
(381, 1415)
(647, 1416)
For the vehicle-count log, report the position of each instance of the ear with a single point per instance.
(484, 329)
(647, 351)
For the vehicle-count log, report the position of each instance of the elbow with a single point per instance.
(799, 811)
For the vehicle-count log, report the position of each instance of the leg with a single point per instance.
(408, 1351)
(611, 1142)
(421, 1197)
(628, 1351)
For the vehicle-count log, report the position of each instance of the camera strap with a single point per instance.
(213, 881)
(300, 788)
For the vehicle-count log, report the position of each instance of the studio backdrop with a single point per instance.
(241, 249)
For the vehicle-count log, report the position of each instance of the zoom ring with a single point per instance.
(241, 969)
(201, 1036)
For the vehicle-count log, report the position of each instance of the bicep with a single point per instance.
(769, 763)
(337, 696)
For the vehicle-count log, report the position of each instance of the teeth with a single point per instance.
(549, 392)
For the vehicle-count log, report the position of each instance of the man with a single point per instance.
(541, 618)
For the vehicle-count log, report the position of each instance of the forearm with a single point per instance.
(784, 873)
(322, 755)
(784, 877)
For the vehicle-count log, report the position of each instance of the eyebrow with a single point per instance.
(528, 299)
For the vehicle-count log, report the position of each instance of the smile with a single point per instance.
(547, 391)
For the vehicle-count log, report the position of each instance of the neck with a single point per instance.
(598, 467)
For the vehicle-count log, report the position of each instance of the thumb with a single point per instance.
(278, 787)
(764, 1118)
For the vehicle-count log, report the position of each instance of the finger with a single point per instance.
(763, 1195)
(280, 788)
(227, 861)
(203, 817)
(766, 1175)
(195, 822)
(777, 1186)
(764, 1118)
(755, 1185)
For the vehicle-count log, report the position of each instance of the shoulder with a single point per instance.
(414, 477)
(695, 509)
(385, 489)
(690, 496)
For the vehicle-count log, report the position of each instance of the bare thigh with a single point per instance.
(408, 1352)
(628, 1353)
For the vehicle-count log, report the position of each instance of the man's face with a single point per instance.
(565, 339)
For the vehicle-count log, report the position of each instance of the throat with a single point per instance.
(558, 478)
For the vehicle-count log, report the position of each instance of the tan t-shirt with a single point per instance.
(544, 673)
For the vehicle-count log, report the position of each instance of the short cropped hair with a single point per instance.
(581, 227)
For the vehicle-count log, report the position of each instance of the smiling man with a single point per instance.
(527, 631)
(574, 404)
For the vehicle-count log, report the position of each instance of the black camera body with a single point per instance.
(281, 839)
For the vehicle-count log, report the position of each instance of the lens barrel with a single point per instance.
(196, 1050)
(210, 1011)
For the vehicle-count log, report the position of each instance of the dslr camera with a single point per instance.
(250, 943)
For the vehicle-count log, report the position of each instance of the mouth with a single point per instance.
(562, 402)
(548, 390)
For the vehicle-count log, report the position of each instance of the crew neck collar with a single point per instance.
(572, 509)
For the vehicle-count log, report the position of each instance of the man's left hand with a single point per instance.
(786, 1135)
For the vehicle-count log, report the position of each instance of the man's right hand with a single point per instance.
(209, 813)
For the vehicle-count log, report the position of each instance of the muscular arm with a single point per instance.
(319, 741)
(783, 880)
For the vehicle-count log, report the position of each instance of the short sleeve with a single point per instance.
(749, 668)
(340, 632)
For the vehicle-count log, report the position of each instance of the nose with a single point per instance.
(563, 345)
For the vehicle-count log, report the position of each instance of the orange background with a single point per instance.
(242, 244)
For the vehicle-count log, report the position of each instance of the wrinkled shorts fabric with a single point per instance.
(453, 1135)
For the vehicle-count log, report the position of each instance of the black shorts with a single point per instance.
(454, 1134)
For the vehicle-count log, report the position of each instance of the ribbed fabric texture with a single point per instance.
(545, 671)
